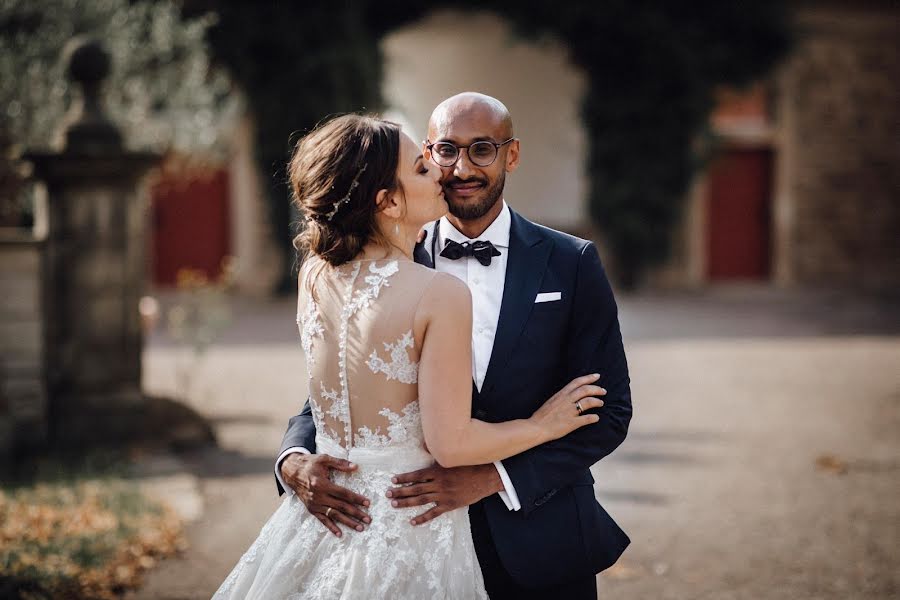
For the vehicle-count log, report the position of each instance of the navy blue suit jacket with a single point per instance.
(561, 532)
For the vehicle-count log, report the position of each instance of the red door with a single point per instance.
(190, 224)
(738, 237)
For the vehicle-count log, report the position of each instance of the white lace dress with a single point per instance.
(362, 359)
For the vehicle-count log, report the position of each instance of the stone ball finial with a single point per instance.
(88, 62)
(89, 130)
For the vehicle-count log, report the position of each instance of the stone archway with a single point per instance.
(649, 72)
(537, 82)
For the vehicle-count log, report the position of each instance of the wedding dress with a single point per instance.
(356, 328)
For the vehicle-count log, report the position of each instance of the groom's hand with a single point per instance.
(448, 488)
(308, 476)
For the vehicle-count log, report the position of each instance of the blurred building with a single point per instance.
(804, 188)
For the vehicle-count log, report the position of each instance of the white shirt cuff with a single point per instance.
(509, 496)
(278, 461)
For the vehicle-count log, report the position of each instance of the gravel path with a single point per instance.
(763, 459)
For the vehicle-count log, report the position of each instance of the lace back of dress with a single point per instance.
(357, 329)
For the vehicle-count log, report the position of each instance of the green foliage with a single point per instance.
(161, 91)
(652, 67)
(299, 62)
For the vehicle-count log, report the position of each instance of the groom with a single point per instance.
(543, 314)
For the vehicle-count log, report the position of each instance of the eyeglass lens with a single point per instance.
(480, 153)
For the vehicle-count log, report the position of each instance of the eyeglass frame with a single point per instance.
(496, 145)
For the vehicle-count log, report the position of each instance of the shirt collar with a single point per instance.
(497, 232)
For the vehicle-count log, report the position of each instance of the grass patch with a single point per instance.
(80, 536)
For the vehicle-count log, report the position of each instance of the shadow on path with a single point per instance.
(723, 311)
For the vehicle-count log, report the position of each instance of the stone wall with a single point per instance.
(23, 396)
(838, 193)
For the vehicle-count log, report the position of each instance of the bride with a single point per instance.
(389, 359)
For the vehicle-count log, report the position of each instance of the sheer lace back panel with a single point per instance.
(356, 324)
(362, 354)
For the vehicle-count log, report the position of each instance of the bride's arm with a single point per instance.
(453, 437)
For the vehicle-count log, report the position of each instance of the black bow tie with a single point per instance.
(482, 251)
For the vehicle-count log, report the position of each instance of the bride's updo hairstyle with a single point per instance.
(336, 172)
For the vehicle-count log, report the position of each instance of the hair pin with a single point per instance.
(337, 205)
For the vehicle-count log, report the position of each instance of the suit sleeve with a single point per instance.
(594, 345)
(301, 432)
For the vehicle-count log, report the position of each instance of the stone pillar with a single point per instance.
(23, 394)
(95, 267)
(837, 201)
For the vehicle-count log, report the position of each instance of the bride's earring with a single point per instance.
(397, 229)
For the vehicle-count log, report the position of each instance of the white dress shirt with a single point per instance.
(486, 285)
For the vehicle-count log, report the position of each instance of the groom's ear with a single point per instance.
(512, 156)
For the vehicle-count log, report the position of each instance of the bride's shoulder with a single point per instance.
(419, 272)
(414, 272)
(445, 299)
(444, 291)
(429, 277)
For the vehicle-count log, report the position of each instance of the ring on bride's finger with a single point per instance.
(578, 406)
(328, 512)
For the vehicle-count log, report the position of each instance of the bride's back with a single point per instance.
(357, 323)
(362, 350)
(355, 180)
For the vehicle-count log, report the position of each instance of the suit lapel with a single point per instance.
(529, 251)
(420, 252)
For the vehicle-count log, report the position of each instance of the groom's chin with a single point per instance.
(469, 208)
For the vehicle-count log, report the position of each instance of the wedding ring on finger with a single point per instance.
(578, 406)
(328, 512)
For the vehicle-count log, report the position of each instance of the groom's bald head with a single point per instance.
(471, 106)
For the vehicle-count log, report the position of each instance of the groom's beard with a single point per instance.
(467, 209)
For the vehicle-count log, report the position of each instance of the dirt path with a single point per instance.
(762, 460)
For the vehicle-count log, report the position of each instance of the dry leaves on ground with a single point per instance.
(89, 539)
(831, 464)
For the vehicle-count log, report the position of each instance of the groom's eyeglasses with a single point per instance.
(482, 154)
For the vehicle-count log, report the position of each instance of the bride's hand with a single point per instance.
(563, 412)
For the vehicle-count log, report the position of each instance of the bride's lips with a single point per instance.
(465, 188)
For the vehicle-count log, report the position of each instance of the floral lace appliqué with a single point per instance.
(327, 404)
(310, 327)
(400, 367)
(403, 429)
(377, 280)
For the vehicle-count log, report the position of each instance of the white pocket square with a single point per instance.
(548, 297)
